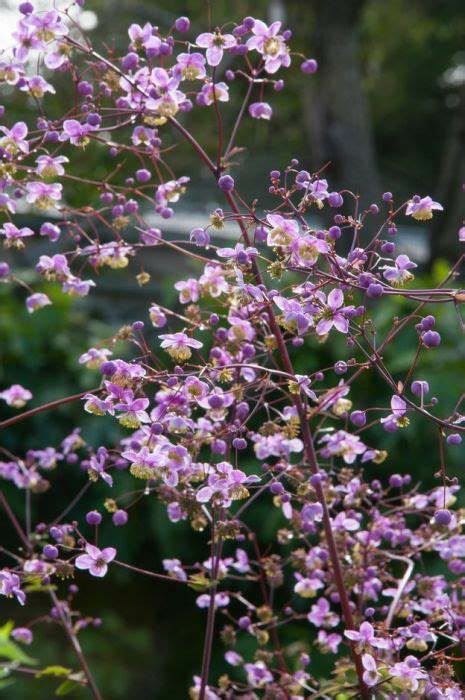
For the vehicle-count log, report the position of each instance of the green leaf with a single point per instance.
(66, 687)
(54, 671)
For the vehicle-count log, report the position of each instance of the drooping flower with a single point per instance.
(179, 345)
(16, 396)
(37, 301)
(421, 208)
(399, 274)
(261, 110)
(10, 585)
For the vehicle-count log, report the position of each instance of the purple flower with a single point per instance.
(397, 417)
(258, 674)
(179, 345)
(260, 110)
(10, 586)
(321, 614)
(421, 208)
(215, 43)
(75, 132)
(370, 674)
(96, 466)
(342, 444)
(47, 166)
(37, 301)
(399, 274)
(283, 231)
(43, 195)
(96, 560)
(14, 139)
(23, 635)
(333, 314)
(14, 235)
(190, 66)
(210, 92)
(16, 396)
(270, 44)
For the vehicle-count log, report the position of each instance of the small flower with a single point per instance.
(179, 345)
(370, 674)
(333, 314)
(96, 560)
(37, 301)
(23, 635)
(321, 614)
(270, 44)
(215, 43)
(421, 208)
(399, 274)
(16, 396)
(14, 235)
(10, 586)
(261, 110)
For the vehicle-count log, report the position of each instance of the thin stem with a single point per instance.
(14, 521)
(45, 407)
(76, 646)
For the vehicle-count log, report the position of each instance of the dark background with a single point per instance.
(387, 110)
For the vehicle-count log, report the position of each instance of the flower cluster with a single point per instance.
(213, 416)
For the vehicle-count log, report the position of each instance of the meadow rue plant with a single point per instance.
(217, 392)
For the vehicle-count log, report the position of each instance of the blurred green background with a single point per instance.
(387, 110)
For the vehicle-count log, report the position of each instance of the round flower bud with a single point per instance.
(374, 290)
(454, 439)
(50, 551)
(137, 325)
(396, 481)
(309, 66)
(276, 488)
(4, 269)
(431, 339)
(93, 517)
(358, 418)
(239, 443)
(143, 175)
(215, 401)
(374, 209)
(182, 24)
(84, 88)
(334, 233)
(419, 387)
(226, 183)
(130, 61)
(335, 200)
(156, 428)
(244, 622)
(119, 518)
(387, 197)
(26, 8)
(340, 367)
(214, 319)
(388, 248)
(442, 517)
(108, 368)
(427, 323)
(219, 447)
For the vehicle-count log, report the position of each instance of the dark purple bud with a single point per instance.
(454, 439)
(427, 323)
(120, 518)
(84, 88)
(4, 269)
(93, 517)
(335, 200)
(219, 447)
(374, 209)
(214, 319)
(340, 367)
(50, 551)
(94, 119)
(108, 368)
(244, 622)
(375, 290)
(278, 86)
(137, 325)
(431, 339)
(26, 8)
(387, 197)
(182, 24)
(143, 175)
(419, 387)
(442, 517)
(239, 443)
(396, 481)
(215, 401)
(226, 183)
(358, 418)
(156, 428)
(388, 248)
(309, 66)
(335, 233)
(130, 61)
